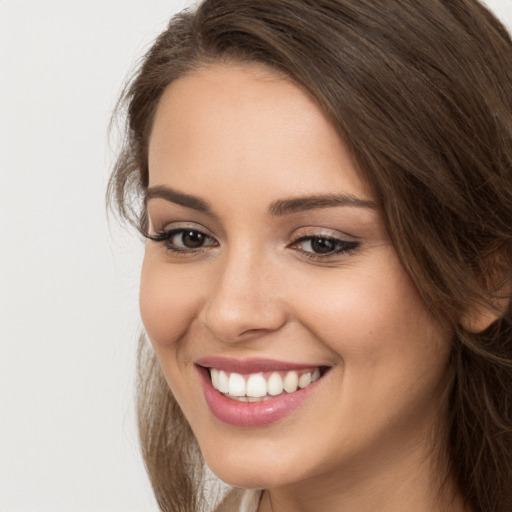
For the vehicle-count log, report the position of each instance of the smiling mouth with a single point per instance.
(256, 392)
(261, 386)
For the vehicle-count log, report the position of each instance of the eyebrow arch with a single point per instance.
(300, 204)
(278, 208)
(173, 196)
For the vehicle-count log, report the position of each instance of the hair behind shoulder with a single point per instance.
(421, 93)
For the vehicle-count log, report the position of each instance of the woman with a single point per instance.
(326, 192)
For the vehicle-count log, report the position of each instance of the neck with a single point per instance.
(408, 482)
(373, 500)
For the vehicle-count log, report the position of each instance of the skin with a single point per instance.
(241, 137)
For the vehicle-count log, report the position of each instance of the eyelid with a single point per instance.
(160, 227)
(166, 234)
(318, 232)
(345, 244)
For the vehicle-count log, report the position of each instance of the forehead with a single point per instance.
(246, 122)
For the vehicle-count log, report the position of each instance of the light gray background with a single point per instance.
(69, 315)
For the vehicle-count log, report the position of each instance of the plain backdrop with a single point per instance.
(69, 315)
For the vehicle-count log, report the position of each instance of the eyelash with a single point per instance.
(342, 246)
(165, 238)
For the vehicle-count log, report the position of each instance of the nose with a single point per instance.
(244, 301)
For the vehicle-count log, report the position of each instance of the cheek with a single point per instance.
(393, 356)
(169, 306)
(168, 300)
(376, 322)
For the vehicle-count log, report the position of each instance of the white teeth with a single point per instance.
(256, 386)
(275, 384)
(291, 381)
(236, 385)
(305, 380)
(214, 374)
(250, 398)
(223, 382)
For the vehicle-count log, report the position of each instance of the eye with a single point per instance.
(189, 239)
(320, 245)
(183, 239)
(324, 246)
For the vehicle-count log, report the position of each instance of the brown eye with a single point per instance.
(323, 245)
(191, 239)
(183, 240)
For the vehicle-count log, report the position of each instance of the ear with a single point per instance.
(479, 318)
(481, 315)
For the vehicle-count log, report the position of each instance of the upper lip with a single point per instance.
(250, 365)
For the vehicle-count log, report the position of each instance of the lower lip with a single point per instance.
(252, 414)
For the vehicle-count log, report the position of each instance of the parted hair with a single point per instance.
(421, 94)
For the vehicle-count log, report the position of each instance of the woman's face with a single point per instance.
(271, 265)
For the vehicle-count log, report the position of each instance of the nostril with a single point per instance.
(237, 310)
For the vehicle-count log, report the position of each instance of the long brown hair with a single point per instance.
(421, 92)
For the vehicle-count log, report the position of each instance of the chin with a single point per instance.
(253, 469)
(262, 477)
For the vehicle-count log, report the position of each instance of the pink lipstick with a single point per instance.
(256, 392)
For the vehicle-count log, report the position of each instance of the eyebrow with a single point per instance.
(299, 204)
(173, 196)
(278, 208)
